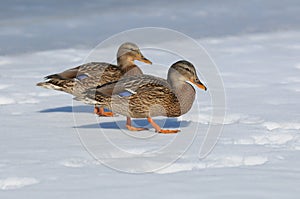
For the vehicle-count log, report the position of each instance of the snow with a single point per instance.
(283, 125)
(6, 100)
(257, 155)
(16, 183)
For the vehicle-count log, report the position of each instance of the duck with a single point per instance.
(78, 79)
(146, 96)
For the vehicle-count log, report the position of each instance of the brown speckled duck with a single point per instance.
(146, 96)
(77, 80)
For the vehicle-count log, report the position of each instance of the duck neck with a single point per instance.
(127, 65)
(125, 61)
(185, 94)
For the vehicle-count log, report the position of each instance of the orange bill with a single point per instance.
(144, 59)
(198, 84)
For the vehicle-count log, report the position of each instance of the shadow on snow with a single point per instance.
(164, 123)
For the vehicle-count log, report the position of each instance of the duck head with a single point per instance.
(183, 71)
(128, 52)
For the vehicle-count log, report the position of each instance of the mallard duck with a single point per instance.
(77, 80)
(146, 96)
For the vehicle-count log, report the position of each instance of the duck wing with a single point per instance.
(82, 77)
(88, 69)
(130, 85)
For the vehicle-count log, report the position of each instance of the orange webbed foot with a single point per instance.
(168, 131)
(132, 128)
(100, 112)
(159, 130)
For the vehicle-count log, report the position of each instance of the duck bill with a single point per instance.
(198, 84)
(144, 59)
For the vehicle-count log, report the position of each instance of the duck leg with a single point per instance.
(100, 112)
(132, 128)
(159, 130)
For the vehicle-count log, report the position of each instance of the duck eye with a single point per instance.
(134, 50)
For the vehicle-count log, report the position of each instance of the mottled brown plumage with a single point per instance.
(81, 78)
(85, 76)
(146, 96)
(77, 80)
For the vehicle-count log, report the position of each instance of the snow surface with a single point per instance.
(16, 183)
(257, 156)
